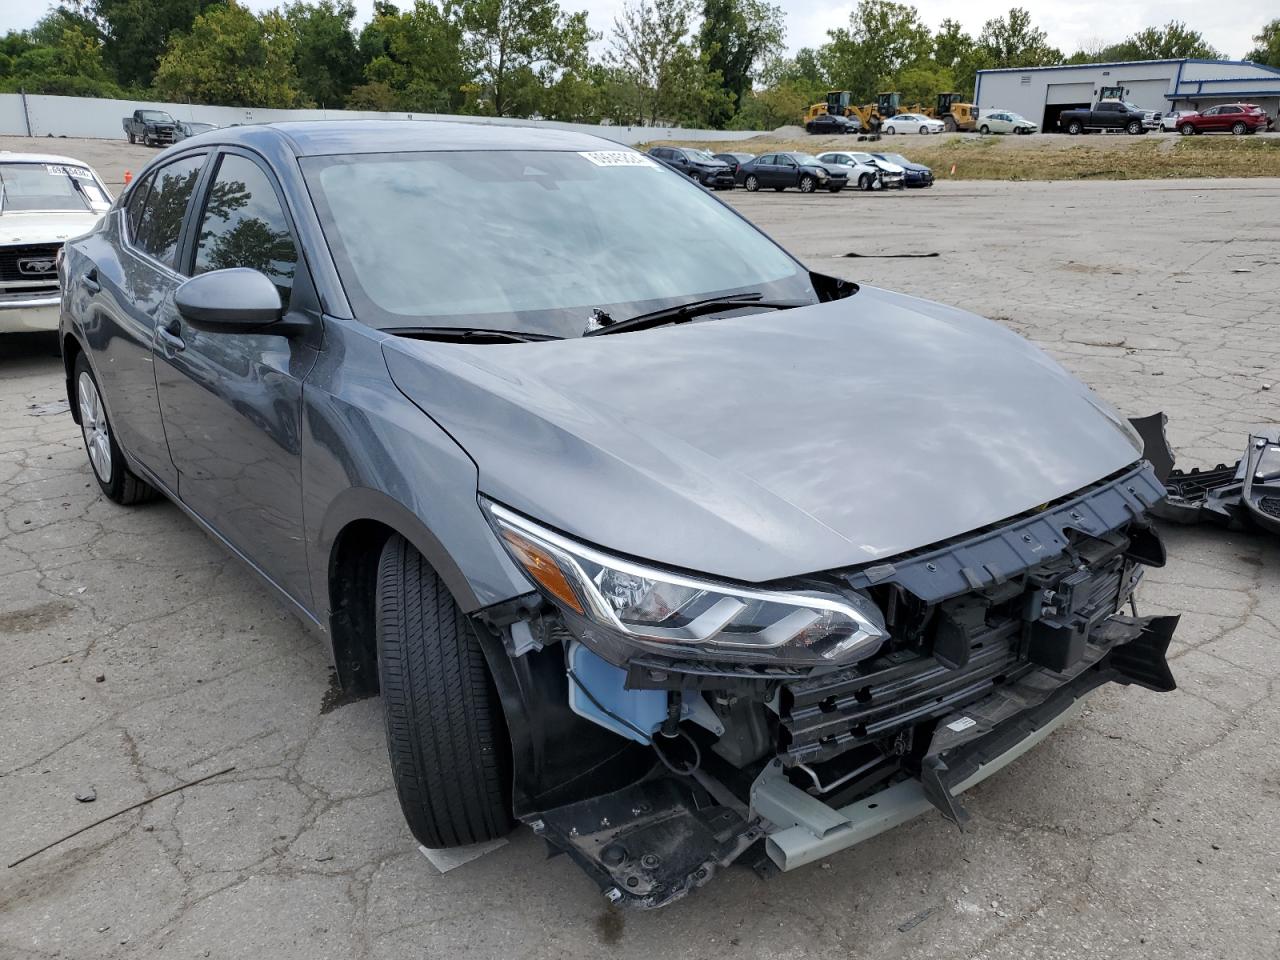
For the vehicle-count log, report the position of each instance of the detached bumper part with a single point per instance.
(1244, 495)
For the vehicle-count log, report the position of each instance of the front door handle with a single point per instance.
(90, 281)
(170, 334)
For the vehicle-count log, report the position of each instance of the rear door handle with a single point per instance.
(90, 281)
(170, 334)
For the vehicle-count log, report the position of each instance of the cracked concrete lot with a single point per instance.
(135, 655)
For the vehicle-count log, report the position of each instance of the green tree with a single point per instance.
(1170, 42)
(645, 42)
(419, 55)
(517, 46)
(737, 37)
(61, 54)
(1013, 41)
(136, 33)
(881, 39)
(232, 57)
(1267, 50)
(325, 53)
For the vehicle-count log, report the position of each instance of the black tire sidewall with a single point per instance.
(120, 474)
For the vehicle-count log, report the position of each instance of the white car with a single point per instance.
(1172, 120)
(44, 200)
(1005, 121)
(860, 172)
(912, 123)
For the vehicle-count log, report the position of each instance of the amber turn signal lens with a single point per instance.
(543, 568)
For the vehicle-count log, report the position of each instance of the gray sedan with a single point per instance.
(650, 537)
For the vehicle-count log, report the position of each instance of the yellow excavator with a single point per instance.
(950, 109)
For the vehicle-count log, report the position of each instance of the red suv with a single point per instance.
(1239, 118)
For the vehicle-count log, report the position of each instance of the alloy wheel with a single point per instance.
(93, 423)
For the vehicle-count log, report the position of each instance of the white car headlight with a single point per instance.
(681, 616)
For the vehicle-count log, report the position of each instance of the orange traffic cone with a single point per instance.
(128, 177)
(953, 171)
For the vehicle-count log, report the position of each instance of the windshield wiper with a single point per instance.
(685, 311)
(467, 335)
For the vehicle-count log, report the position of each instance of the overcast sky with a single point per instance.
(1229, 25)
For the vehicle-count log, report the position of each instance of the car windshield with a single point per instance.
(159, 116)
(26, 187)
(532, 241)
(700, 154)
(894, 158)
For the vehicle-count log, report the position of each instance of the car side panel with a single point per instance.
(370, 454)
(116, 326)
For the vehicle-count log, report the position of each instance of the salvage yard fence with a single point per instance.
(38, 115)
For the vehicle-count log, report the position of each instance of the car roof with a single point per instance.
(9, 156)
(323, 137)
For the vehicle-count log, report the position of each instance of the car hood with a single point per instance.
(771, 445)
(45, 226)
(888, 166)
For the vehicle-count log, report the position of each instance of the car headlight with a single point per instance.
(679, 615)
(822, 174)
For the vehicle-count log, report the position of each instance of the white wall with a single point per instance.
(101, 119)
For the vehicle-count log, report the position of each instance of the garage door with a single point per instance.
(1148, 94)
(1070, 93)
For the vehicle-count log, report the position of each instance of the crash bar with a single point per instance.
(796, 844)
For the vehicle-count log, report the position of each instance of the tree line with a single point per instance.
(713, 63)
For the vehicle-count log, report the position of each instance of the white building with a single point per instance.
(1042, 93)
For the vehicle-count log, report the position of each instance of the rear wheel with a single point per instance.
(446, 735)
(807, 184)
(752, 183)
(1075, 128)
(117, 482)
(1239, 129)
(1188, 129)
(131, 138)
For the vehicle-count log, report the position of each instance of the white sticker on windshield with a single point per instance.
(60, 169)
(964, 723)
(617, 158)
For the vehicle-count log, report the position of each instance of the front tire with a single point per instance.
(752, 183)
(866, 182)
(890, 131)
(807, 184)
(1188, 130)
(117, 482)
(446, 734)
(1134, 128)
(984, 130)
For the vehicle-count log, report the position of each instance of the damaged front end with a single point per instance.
(664, 727)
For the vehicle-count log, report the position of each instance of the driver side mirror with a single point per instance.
(230, 300)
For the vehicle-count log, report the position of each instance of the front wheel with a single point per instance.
(1239, 129)
(1134, 128)
(890, 130)
(446, 734)
(752, 183)
(1188, 130)
(117, 482)
(949, 124)
(866, 182)
(984, 130)
(924, 130)
(807, 184)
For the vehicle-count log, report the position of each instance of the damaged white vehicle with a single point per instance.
(44, 201)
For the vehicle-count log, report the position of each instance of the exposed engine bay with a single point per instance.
(979, 648)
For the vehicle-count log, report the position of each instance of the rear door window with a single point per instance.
(160, 223)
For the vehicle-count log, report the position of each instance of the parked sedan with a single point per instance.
(699, 165)
(913, 123)
(1005, 121)
(781, 170)
(917, 174)
(44, 200)
(861, 168)
(1169, 121)
(833, 123)
(734, 161)
(648, 536)
(1237, 118)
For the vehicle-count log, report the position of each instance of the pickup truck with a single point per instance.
(151, 127)
(1106, 115)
